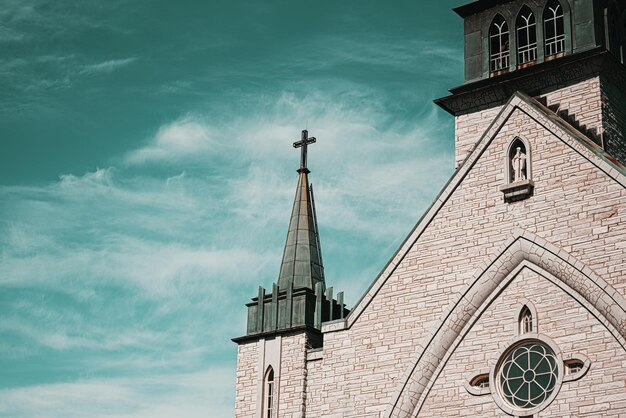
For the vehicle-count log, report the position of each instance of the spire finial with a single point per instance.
(302, 260)
(303, 143)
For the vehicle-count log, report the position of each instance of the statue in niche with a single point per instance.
(519, 165)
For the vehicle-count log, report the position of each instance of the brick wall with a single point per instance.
(247, 379)
(293, 376)
(290, 374)
(314, 386)
(583, 101)
(468, 130)
(576, 207)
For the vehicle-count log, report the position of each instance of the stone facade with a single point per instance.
(599, 392)
(247, 379)
(446, 308)
(387, 357)
(577, 212)
(585, 103)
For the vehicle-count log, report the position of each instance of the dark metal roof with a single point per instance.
(302, 260)
(477, 6)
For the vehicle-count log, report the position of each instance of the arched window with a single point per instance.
(268, 393)
(525, 321)
(499, 44)
(481, 381)
(573, 366)
(518, 161)
(554, 29)
(526, 28)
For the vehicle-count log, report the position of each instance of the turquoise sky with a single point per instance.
(147, 177)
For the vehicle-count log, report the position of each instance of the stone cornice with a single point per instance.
(271, 334)
(535, 80)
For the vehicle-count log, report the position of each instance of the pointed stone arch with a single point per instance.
(524, 250)
(509, 152)
(269, 393)
(526, 319)
(500, 38)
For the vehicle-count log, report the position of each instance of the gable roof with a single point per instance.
(537, 111)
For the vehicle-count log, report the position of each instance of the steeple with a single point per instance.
(302, 258)
(299, 300)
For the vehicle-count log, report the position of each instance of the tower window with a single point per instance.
(526, 36)
(525, 321)
(554, 27)
(268, 398)
(499, 44)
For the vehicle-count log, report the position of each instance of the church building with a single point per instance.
(508, 298)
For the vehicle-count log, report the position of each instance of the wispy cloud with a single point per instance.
(132, 253)
(23, 18)
(400, 54)
(122, 286)
(184, 137)
(360, 162)
(123, 259)
(199, 394)
(106, 66)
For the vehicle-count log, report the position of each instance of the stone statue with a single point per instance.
(519, 165)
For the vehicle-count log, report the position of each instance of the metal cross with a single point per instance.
(303, 143)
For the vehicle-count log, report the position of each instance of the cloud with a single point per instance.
(364, 168)
(123, 271)
(23, 19)
(184, 137)
(106, 66)
(400, 54)
(123, 263)
(190, 395)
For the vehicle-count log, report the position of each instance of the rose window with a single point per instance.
(528, 375)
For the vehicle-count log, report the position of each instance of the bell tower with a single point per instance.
(569, 54)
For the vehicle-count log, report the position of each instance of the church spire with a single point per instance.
(300, 299)
(302, 258)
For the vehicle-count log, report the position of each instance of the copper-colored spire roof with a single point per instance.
(302, 257)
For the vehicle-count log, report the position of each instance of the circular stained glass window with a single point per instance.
(528, 375)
